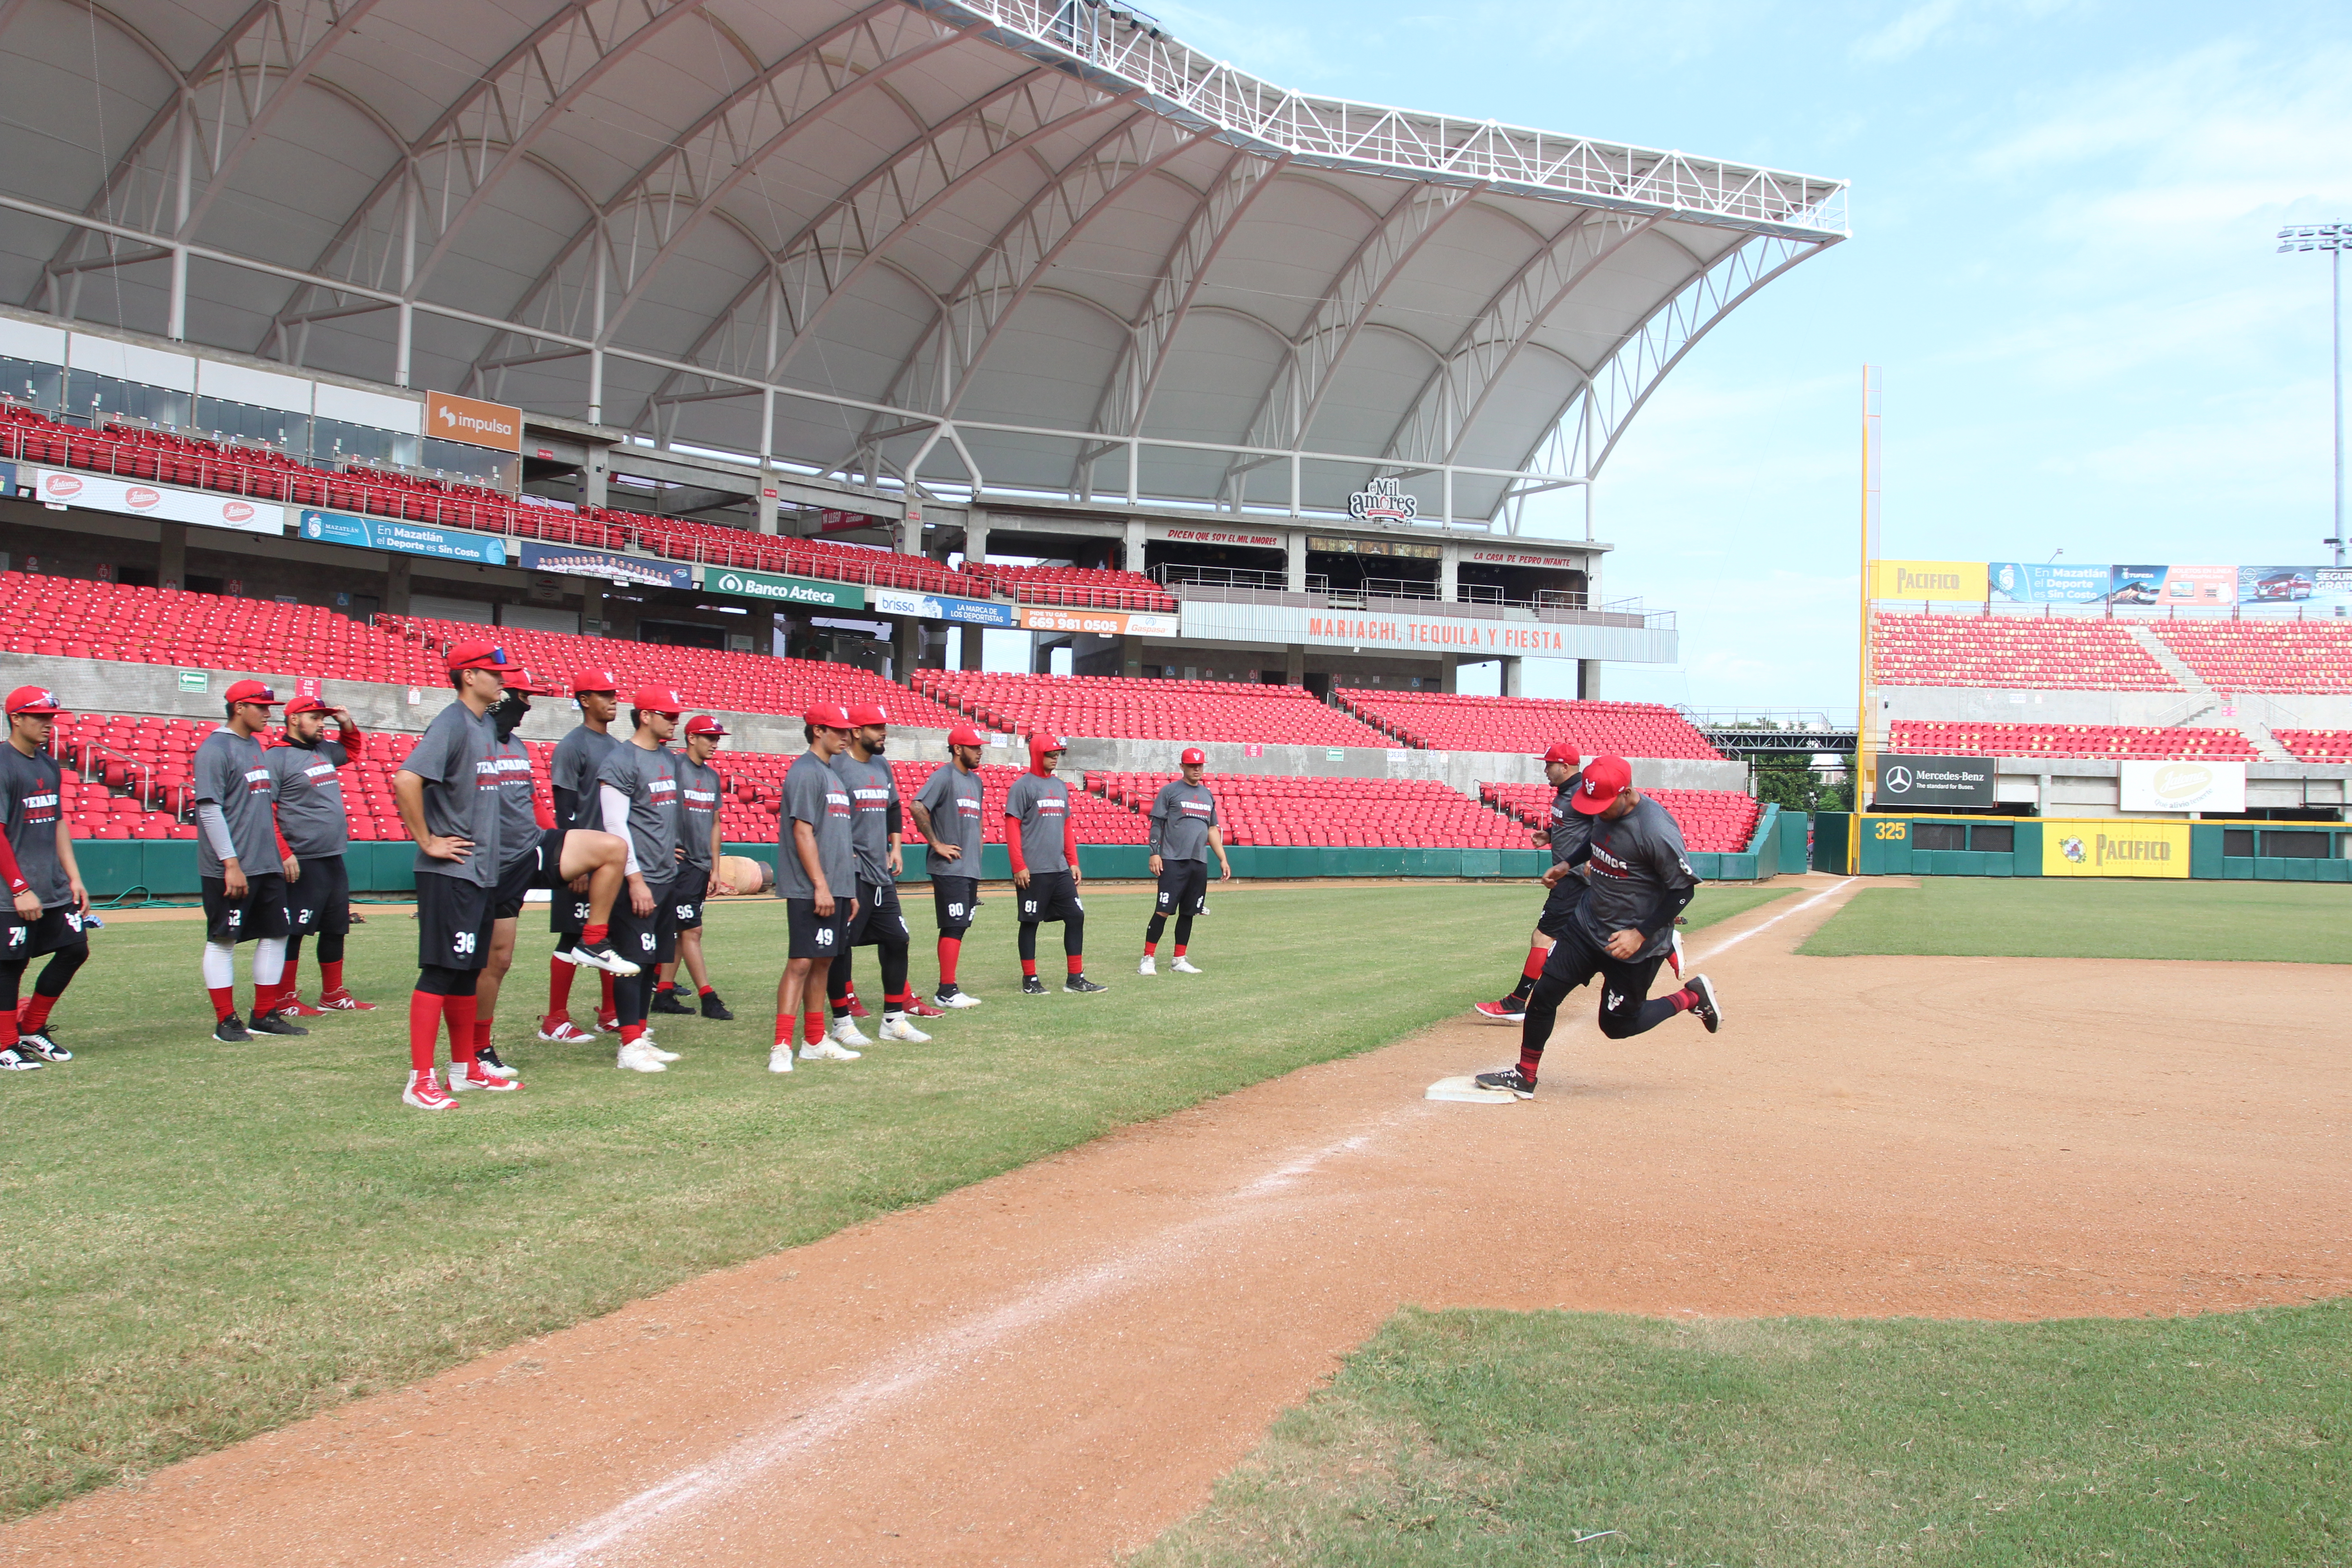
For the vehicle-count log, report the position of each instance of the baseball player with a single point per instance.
(238, 865)
(1565, 837)
(313, 831)
(637, 789)
(534, 853)
(572, 776)
(877, 832)
(1184, 828)
(699, 789)
(946, 812)
(1042, 838)
(1641, 881)
(47, 900)
(816, 875)
(447, 792)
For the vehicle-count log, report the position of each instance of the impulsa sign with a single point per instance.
(450, 417)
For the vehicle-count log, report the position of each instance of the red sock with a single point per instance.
(224, 1000)
(1150, 949)
(1529, 1060)
(330, 975)
(558, 986)
(1180, 950)
(1029, 968)
(784, 1030)
(707, 991)
(481, 1033)
(1078, 965)
(33, 1015)
(897, 999)
(1533, 969)
(459, 1011)
(265, 1000)
(632, 1033)
(812, 1027)
(285, 984)
(606, 976)
(592, 935)
(664, 985)
(8, 1023)
(951, 949)
(1684, 1000)
(423, 1030)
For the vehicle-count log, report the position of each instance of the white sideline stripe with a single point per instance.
(1727, 943)
(920, 1364)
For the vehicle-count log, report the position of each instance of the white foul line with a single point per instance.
(1727, 943)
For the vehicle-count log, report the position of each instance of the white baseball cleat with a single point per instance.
(843, 1031)
(827, 1051)
(635, 1058)
(1147, 966)
(566, 1033)
(956, 999)
(779, 1060)
(895, 1026)
(655, 1051)
(1185, 966)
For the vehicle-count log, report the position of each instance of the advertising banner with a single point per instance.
(2294, 584)
(1280, 625)
(2035, 583)
(1957, 580)
(1930, 783)
(8, 480)
(1257, 539)
(1100, 623)
(2114, 849)
(472, 421)
(570, 560)
(403, 538)
(57, 488)
(940, 607)
(2184, 786)
(781, 590)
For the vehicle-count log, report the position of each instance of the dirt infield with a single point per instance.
(1052, 1366)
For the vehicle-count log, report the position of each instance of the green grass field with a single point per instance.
(204, 1241)
(1991, 917)
(1489, 1439)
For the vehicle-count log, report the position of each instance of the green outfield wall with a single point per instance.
(2137, 848)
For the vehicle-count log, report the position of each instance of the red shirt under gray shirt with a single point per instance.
(29, 790)
(1640, 881)
(1040, 806)
(814, 793)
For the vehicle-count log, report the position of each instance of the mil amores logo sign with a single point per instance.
(1930, 783)
(1384, 501)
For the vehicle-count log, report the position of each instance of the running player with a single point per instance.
(1184, 828)
(235, 793)
(637, 791)
(1565, 837)
(813, 857)
(534, 853)
(1623, 929)
(572, 776)
(447, 792)
(315, 830)
(47, 899)
(947, 814)
(1042, 838)
(876, 836)
(700, 790)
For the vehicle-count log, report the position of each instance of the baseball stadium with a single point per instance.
(614, 507)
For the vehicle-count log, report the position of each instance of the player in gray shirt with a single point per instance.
(816, 875)
(699, 791)
(875, 830)
(317, 828)
(1041, 836)
(638, 790)
(238, 865)
(1184, 828)
(1641, 881)
(572, 780)
(948, 814)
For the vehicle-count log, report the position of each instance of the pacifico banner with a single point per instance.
(2156, 587)
(1961, 580)
(2184, 786)
(2114, 848)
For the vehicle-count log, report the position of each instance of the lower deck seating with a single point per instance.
(1446, 722)
(1397, 813)
(1120, 708)
(2317, 745)
(1713, 821)
(2124, 741)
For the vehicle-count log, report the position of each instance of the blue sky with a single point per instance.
(2062, 261)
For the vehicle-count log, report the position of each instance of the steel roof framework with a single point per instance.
(950, 246)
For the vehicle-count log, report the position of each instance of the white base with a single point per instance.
(1465, 1091)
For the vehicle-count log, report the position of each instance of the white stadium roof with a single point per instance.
(1042, 246)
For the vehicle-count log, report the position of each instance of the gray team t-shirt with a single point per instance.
(461, 791)
(1636, 861)
(578, 758)
(30, 794)
(954, 798)
(814, 793)
(1040, 806)
(310, 798)
(1182, 816)
(518, 821)
(872, 792)
(232, 774)
(1569, 826)
(698, 789)
(651, 785)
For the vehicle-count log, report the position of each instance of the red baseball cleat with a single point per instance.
(300, 1009)
(923, 1010)
(341, 1001)
(425, 1093)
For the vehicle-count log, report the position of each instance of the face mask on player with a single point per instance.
(509, 712)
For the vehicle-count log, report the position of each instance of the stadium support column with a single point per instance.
(1513, 671)
(172, 555)
(1295, 542)
(1588, 680)
(907, 657)
(595, 475)
(592, 606)
(1293, 665)
(395, 585)
(1130, 655)
(968, 639)
(1132, 553)
(975, 543)
(1449, 672)
(1449, 575)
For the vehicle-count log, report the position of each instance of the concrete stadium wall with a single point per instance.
(2053, 787)
(1993, 705)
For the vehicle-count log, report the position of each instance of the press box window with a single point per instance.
(1938, 836)
(1995, 839)
(2238, 842)
(2296, 845)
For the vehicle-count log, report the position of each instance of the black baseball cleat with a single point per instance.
(1710, 1010)
(231, 1031)
(1509, 1078)
(1081, 985)
(488, 1056)
(275, 1024)
(1033, 986)
(712, 1007)
(40, 1044)
(668, 1002)
(601, 955)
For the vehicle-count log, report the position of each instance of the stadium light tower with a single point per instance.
(2333, 238)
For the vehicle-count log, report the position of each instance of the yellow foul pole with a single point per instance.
(1864, 773)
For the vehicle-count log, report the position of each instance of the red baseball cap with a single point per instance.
(307, 705)
(966, 735)
(478, 656)
(1605, 778)
(704, 725)
(243, 692)
(866, 713)
(594, 681)
(1046, 741)
(529, 685)
(658, 699)
(1563, 752)
(1193, 754)
(36, 699)
(827, 716)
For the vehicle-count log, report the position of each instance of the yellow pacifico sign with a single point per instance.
(2117, 849)
(1963, 580)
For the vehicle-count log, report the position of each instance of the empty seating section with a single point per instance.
(2305, 657)
(66, 617)
(133, 452)
(2317, 745)
(1714, 821)
(755, 784)
(2053, 654)
(1396, 814)
(1443, 721)
(1086, 586)
(1116, 708)
(2122, 742)
(135, 778)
